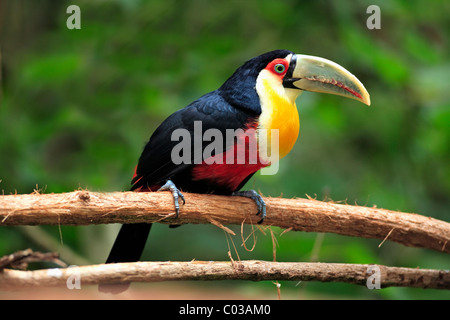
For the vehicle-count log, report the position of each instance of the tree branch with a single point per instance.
(242, 270)
(21, 259)
(84, 207)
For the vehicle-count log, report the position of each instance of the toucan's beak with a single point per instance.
(316, 74)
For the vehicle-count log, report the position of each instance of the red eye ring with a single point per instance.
(278, 67)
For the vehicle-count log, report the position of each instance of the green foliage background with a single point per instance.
(77, 106)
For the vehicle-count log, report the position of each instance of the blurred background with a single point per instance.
(77, 107)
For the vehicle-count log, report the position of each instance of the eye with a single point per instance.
(279, 68)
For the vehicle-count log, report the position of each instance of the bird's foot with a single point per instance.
(170, 186)
(252, 194)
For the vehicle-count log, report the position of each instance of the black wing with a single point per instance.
(155, 164)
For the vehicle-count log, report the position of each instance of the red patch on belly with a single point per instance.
(230, 168)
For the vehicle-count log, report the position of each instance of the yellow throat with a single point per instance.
(279, 112)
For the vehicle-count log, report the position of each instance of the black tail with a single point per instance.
(128, 247)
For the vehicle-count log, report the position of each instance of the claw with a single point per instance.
(170, 186)
(252, 194)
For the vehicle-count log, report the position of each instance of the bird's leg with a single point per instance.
(170, 186)
(252, 194)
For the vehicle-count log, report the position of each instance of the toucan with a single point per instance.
(257, 99)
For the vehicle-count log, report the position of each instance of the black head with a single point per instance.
(239, 90)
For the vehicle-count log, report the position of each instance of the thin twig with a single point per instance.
(242, 270)
(21, 259)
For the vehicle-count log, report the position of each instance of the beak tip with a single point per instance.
(367, 101)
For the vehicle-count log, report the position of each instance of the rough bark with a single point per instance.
(242, 270)
(84, 207)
